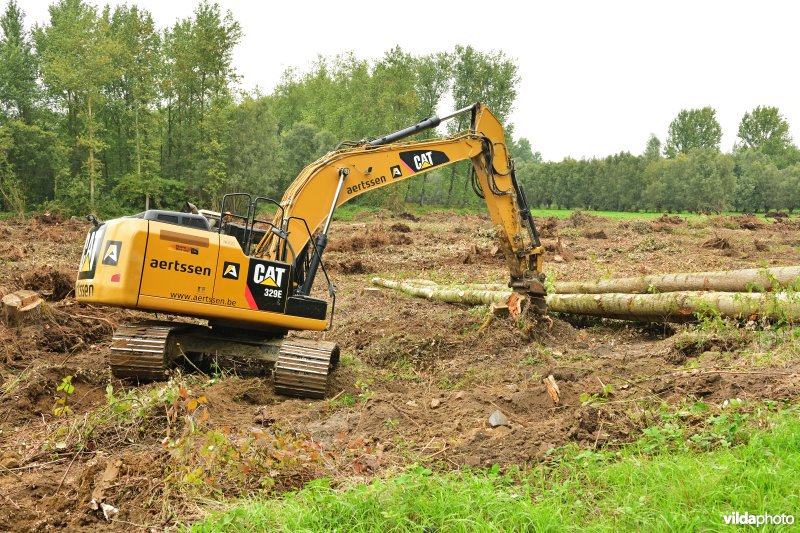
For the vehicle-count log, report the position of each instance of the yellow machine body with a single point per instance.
(161, 267)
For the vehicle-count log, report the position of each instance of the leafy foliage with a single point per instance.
(765, 129)
(102, 110)
(108, 112)
(693, 128)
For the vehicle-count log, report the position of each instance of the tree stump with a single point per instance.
(21, 307)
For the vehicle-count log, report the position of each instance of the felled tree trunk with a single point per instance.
(669, 306)
(757, 279)
(678, 306)
(446, 293)
(502, 287)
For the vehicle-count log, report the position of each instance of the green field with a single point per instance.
(672, 479)
(350, 211)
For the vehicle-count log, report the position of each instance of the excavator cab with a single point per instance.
(239, 218)
(249, 220)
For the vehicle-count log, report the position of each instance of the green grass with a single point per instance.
(660, 483)
(620, 215)
(349, 212)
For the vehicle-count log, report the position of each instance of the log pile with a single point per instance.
(739, 294)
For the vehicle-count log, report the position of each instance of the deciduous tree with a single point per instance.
(693, 128)
(77, 52)
(18, 66)
(765, 129)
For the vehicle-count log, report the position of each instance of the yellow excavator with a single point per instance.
(249, 276)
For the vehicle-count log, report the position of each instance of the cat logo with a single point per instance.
(269, 275)
(396, 172)
(421, 160)
(230, 270)
(111, 255)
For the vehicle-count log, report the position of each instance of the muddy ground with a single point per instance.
(417, 383)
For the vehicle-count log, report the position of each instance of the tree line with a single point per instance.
(102, 111)
(687, 173)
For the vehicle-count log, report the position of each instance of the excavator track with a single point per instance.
(303, 367)
(140, 351)
(146, 351)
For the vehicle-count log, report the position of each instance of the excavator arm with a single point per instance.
(340, 176)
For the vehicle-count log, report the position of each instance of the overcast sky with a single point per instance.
(597, 77)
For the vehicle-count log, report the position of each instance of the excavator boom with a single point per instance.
(343, 175)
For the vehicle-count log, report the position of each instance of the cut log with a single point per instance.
(756, 279)
(678, 306)
(21, 307)
(445, 293)
(370, 290)
(464, 286)
(664, 307)
(722, 281)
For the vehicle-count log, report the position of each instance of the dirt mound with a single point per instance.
(349, 266)
(400, 239)
(717, 243)
(599, 234)
(64, 328)
(52, 284)
(692, 344)
(639, 227)
(662, 228)
(373, 240)
(760, 246)
(400, 228)
(786, 224)
(358, 243)
(667, 219)
(548, 227)
(409, 216)
(776, 214)
(49, 218)
(13, 252)
(578, 219)
(746, 221)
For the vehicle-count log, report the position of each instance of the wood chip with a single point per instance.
(499, 310)
(552, 388)
(515, 304)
